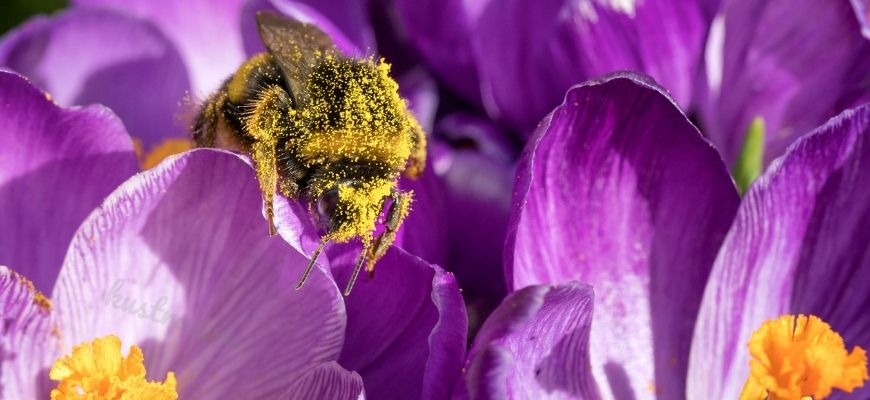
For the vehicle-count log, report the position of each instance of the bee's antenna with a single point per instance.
(310, 266)
(359, 263)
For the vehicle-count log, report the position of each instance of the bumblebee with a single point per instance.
(322, 128)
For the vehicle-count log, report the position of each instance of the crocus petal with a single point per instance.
(472, 132)
(862, 11)
(425, 232)
(530, 52)
(349, 16)
(440, 30)
(206, 32)
(534, 345)
(795, 64)
(478, 202)
(27, 340)
(300, 12)
(798, 245)
(98, 56)
(328, 381)
(56, 166)
(421, 92)
(408, 304)
(178, 261)
(476, 164)
(618, 190)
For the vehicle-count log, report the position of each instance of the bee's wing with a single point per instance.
(294, 46)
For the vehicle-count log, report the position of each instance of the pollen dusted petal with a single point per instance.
(99, 371)
(793, 357)
(28, 339)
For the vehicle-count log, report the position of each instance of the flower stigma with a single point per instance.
(98, 371)
(801, 357)
(750, 163)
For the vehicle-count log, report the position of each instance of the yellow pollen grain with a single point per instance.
(98, 371)
(39, 299)
(360, 206)
(168, 147)
(418, 157)
(795, 357)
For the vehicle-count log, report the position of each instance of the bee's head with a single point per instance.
(351, 208)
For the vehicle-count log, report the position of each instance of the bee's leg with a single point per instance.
(266, 123)
(417, 160)
(264, 159)
(311, 262)
(395, 215)
(367, 245)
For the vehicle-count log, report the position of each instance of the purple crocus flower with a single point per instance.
(617, 189)
(795, 64)
(799, 244)
(176, 262)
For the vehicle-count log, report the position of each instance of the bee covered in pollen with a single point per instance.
(323, 128)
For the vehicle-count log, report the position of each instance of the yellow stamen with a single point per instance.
(165, 149)
(797, 357)
(97, 371)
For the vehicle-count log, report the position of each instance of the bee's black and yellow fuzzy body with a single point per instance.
(323, 128)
